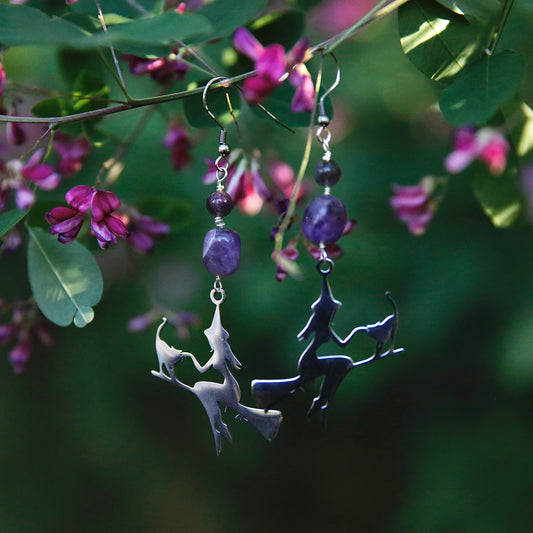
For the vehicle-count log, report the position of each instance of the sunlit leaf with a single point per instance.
(482, 88)
(65, 279)
(440, 43)
(519, 118)
(499, 196)
(477, 9)
(10, 219)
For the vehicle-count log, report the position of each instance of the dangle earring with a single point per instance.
(323, 223)
(221, 255)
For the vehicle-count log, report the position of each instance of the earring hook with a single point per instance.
(321, 106)
(204, 100)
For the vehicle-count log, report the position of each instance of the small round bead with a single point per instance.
(219, 204)
(324, 219)
(224, 150)
(323, 120)
(222, 251)
(327, 173)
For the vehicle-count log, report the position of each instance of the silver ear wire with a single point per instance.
(321, 107)
(206, 107)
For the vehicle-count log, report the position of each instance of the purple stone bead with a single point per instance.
(324, 219)
(222, 251)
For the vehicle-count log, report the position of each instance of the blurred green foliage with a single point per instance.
(435, 440)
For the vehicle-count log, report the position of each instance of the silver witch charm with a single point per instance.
(333, 368)
(213, 394)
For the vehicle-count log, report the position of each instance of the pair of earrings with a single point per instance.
(323, 223)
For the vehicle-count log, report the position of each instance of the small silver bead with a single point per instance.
(223, 149)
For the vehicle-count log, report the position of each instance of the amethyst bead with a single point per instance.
(327, 173)
(324, 219)
(219, 204)
(222, 251)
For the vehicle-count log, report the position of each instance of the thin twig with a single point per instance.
(121, 83)
(498, 27)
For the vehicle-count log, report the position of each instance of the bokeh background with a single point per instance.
(435, 440)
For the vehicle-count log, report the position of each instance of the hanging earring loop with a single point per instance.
(221, 162)
(323, 134)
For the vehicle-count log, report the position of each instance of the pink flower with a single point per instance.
(178, 141)
(2, 79)
(43, 175)
(288, 254)
(15, 133)
(143, 230)
(67, 222)
(414, 204)
(104, 225)
(271, 65)
(487, 145)
(244, 182)
(161, 69)
(72, 153)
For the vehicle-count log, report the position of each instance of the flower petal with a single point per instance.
(245, 43)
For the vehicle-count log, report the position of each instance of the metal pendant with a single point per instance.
(333, 368)
(212, 394)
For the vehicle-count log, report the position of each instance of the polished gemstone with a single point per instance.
(222, 251)
(219, 204)
(327, 173)
(324, 219)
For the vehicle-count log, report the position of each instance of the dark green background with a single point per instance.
(435, 440)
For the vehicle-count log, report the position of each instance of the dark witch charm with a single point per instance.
(333, 368)
(213, 394)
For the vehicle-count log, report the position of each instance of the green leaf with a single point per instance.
(499, 196)
(481, 89)
(279, 104)
(10, 219)
(22, 25)
(519, 118)
(439, 43)
(476, 9)
(283, 27)
(218, 105)
(226, 17)
(52, 107)
(65, 279)
(89, 93)
(173, 211)
(163, 29)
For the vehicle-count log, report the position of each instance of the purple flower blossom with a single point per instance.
(160, 69)
(71, 151)
(15, 133)
(67, 222)
(17, 176)
(26, 322)
(415, 204)
(271, 65)
(2, 79)
(43, 175)
(104, 225)
(143, 230)
(288, 254)
(179, 142)
(486, 144)
(181, 320)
